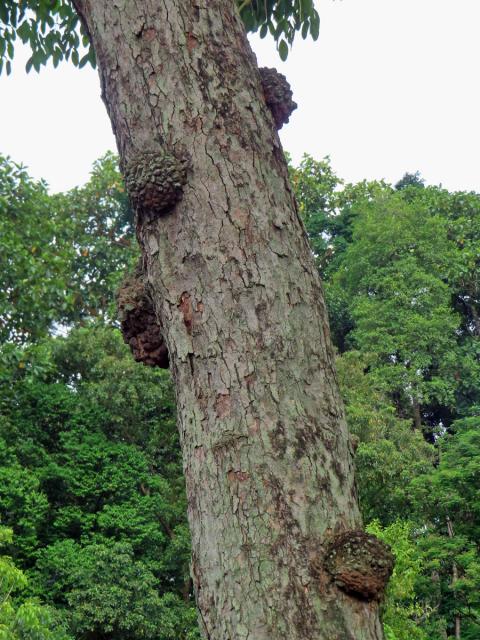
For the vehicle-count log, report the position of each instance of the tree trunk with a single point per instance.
(458, 622)
(417, 416)
(476, 320)
(267, 458)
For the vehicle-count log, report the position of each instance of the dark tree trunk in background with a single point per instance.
(417, 415)
(458, 622)
(267, 458)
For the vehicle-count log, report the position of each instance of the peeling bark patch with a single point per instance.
(192, 42)
(186, 309)
(360, 564)
(240, 218)
(278, 95)
(149, 34)
(138, 322)
(223, 405)
(238, 476)
(155, 182)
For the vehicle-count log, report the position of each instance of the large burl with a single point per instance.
(360, 564)
(139, 325)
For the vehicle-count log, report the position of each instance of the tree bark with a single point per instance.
(267, 457)
(458, 621)
(417, 416)
(476, 320)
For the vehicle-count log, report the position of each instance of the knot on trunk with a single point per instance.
(138, 322)
(360, 564)
(354, 442)
(278, 95)
(155, 181)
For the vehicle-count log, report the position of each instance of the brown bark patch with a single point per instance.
(149, 34)
(240, 218)
(254, 428)
(223, 405)
(185, 306)
(250, 380)
(278, 95)
(238, 476)
(138, 323)
(192, 42)
(360, 564)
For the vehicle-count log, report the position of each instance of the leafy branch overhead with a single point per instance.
(53, 31)
(282, 19)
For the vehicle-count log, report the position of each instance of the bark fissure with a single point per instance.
(267, 457)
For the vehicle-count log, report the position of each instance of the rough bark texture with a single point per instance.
(267, 458)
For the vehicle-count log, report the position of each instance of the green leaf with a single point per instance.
(305, 29)
(315, 25)
(283, 50)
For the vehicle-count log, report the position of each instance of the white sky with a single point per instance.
(390, 86)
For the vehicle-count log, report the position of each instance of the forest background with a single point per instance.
(94, 539)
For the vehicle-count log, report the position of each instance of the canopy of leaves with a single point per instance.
(92, 485)
(53, 30)
(401, 268)
(401, 608)
(63, 255)
(23, 618)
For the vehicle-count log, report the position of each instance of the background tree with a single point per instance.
(24, 618)
(421, 239)
(63, 255)
(84, 487)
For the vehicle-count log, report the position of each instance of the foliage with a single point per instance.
(400, 608)
(63, 255)
(94, 489)
(447, 500)
(54, 31)
(315, 186)
(401, 274)
(389, 454)
(395, 270)
(23, 618)
(51, 29)
(281, 19)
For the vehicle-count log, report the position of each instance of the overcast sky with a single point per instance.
(390, 86)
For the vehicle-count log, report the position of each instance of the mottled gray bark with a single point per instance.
(267, 458)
